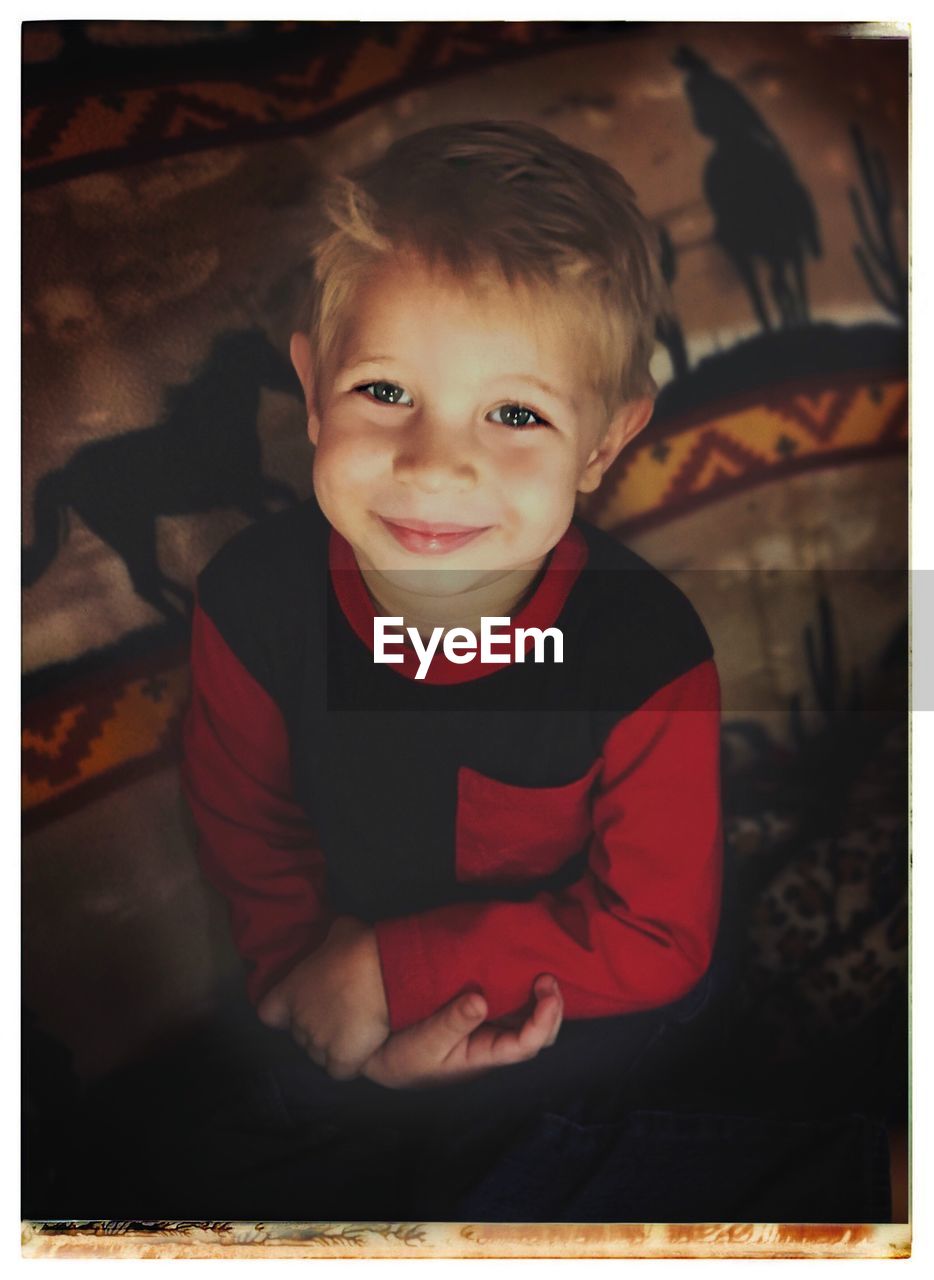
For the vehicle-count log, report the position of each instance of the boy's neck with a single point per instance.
(502, 596)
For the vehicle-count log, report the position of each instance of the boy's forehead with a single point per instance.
(402, 304)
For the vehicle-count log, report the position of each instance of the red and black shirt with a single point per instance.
(493, 822)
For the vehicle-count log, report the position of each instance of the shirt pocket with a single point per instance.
(510, 833)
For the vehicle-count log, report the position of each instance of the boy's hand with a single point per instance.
(333, 1001)
(455, 1043)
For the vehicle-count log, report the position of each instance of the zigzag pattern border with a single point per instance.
(71, 132)
(833, 422)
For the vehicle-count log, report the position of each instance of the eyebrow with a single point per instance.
(544, 386)
(354, 363)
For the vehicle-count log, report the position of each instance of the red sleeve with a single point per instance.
(637, 930)
(256, 844)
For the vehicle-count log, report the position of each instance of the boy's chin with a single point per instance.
(434, 581)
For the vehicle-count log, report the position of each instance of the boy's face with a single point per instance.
(453, 431)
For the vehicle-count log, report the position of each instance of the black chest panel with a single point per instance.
(378, 763)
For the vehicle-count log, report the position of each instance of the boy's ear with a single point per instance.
(624, 426)
(300, 351)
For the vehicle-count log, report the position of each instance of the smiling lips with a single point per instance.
(432, 539)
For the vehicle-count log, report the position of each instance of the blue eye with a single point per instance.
(517, 416)
(385, 392)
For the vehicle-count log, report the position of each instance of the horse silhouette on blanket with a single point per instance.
(204, 453)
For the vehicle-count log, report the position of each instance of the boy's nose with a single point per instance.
(434, 457)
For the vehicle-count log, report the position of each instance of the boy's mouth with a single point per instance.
(432, 539)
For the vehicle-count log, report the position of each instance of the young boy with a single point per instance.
(443, 861)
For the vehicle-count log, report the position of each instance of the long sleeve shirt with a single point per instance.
(492, 821)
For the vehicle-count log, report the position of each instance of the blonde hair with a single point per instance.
(508, 200)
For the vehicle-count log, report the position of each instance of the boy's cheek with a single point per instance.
(346, 462)
(549, 493)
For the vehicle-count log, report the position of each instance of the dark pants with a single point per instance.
(234, 1122)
